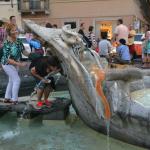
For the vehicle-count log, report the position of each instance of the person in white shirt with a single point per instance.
(121, 31)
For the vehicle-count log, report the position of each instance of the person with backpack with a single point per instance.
(146, 51)
(36, 49)
(35, 44)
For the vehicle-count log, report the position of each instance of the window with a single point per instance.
(35, 4)
(73, 24)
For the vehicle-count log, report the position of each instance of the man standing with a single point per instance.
(81, 30)
(121, 31)
(13, 21)
(84, 37)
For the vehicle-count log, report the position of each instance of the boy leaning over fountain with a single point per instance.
(44, 83)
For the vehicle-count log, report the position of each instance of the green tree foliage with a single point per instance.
(145, 8)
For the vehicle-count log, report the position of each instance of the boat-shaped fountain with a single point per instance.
(101, 96)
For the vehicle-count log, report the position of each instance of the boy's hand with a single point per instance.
(22, 64)
(46, 81)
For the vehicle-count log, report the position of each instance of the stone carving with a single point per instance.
(129, 119)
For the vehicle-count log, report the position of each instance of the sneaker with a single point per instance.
(48, 103)
(39, 104)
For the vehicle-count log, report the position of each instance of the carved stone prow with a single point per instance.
(128, 75)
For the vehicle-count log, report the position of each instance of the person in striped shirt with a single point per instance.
(91, 38)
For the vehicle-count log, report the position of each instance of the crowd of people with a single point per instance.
(122, 41)
(11, 49)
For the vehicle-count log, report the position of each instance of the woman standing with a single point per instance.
(12, 49)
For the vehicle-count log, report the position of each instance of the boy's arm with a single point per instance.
(34, 73)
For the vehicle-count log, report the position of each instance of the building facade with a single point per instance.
(102, 14)
(36, 10)
(9, 8)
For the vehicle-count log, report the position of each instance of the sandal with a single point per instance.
(6, 100)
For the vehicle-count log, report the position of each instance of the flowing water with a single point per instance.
(72, 134)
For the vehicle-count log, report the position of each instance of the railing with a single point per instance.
(33, 5)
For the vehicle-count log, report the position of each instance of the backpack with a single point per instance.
(35, 47)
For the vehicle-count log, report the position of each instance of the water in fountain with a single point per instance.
(54, 135)
(9, 131)
(108, 133)
(23, 112)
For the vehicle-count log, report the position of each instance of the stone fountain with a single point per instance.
(100, 96)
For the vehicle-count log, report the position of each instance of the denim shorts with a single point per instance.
(146, 51)
(42, 85)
